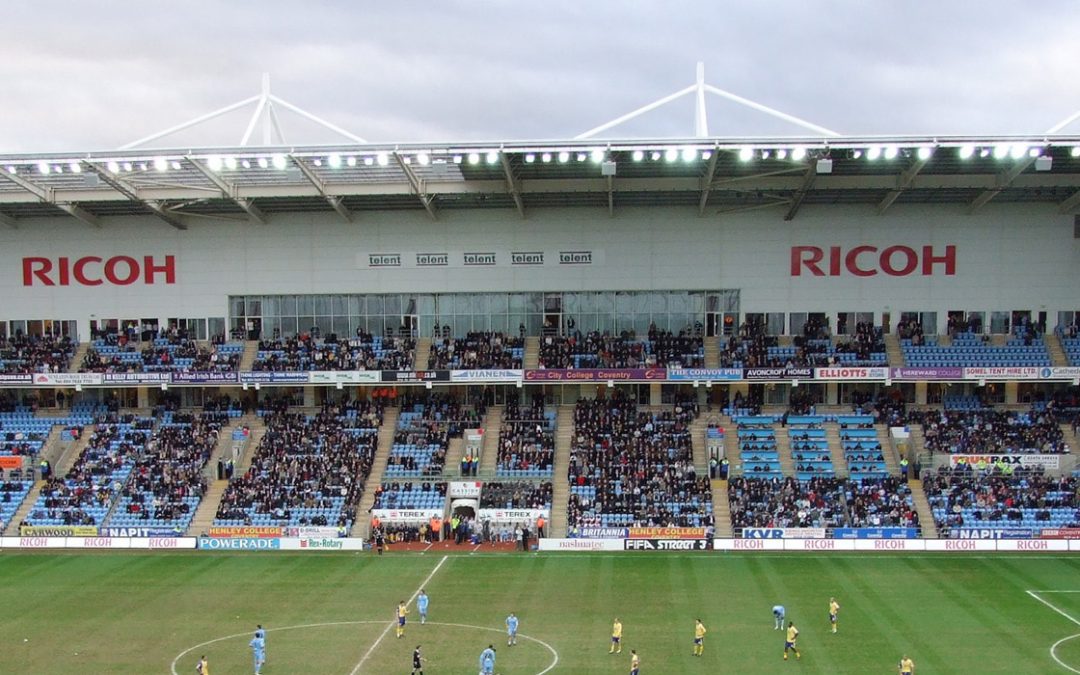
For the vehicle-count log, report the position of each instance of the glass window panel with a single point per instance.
(425, 305)
(518, 303)
(305, 304)
(572, 303)
(605, 303)
(374, 305)
(341, 326)
(624, 304)
(447, 305)
(254, 306)
(586, 303)
(323, 305)
(341, 305)
(236, 308)
(775, 323)
(357, 305)
(534, 303)
(272, 306)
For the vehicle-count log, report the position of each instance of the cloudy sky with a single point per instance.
(95, 75)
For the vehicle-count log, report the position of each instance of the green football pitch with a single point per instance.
(331, 613)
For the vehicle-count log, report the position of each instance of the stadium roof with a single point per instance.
(716, 176)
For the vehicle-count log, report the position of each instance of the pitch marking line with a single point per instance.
(371, 649)
(551, 666)
(1054, 647)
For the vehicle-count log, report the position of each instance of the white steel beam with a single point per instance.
(254, 120)
(1070, 204)
(512, 184)
(132, 193)
(640, 111)
(47, 196)
(903, 182)
(190, 123)
(426, 200)
(317, 120)
(701, 116)
(335, 202)
(771, 111)
(611, 196)
(1002, 181)
(807, 182)
(229, 191)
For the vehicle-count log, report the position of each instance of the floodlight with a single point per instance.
(1034, 152)
(781, 153)
(856, 154)
(564, 157)
(43, 168)
(492, 156)
(798, 153)
(176, 165)
(655, 156)
(671, 154)
(546, 157)
(230, 163)
(334, 161)
(474, 158)
(369, 161)
(891, 152)
(12, 170)
(984, 153)
(382, 159)
(423, 158)
(746, 154)
(689, 154)
(351, 161)
(638, 155)
(924, 152)
(1074, 151)
(113, 167)
(127, 166)
(75, 167)
(765, 154)
(530, 158)
(1001, 151)
(214, 162)
(160, 164)
(263, 163)
(278, 162)
(457, 159)
(597, 156)
(966, 151)
(581, 157)
(707, 154)
(1018, 150)
(245, 163)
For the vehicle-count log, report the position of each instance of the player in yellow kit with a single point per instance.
(907, 666)
(792, 636)
(402, 610)
(616, 637)
(699, 638)
(834, 609)
(635, 662)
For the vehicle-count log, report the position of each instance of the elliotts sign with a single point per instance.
(869, 261)
(92, 270)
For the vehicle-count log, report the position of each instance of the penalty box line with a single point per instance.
(371, 649)
(1053, 648)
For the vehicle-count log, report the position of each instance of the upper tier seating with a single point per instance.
(423, 434)
(36, 353)
(526, 441)
(477, 351)
(970, 351)
(363, 352)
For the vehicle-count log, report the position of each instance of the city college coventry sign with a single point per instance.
(92, 270)
(870, 261)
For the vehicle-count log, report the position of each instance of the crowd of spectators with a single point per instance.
(46, 353)
(911, 329)
(407, 495)
(884, 502)
(526, 438)
(425, 427)
(595, 349)
(634, 468)
(749, 348)
(967, 497)
(785, 502)
(477, 351)
(363, 352)
(307, 470)
(992, 431)
(887, 407)
(516, 495)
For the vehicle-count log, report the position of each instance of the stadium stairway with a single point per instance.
(1068, 462)
(23, 511)
(1057, 354)
(893, 351)
(892, 462)
(999, 339)
(251, 349)
(712, 352)
(944, 340)
(361, 521)
(783, 448)
(836, 450)
(697, 440)
(258, 430)
(71, 453)
(532, 352)
(489, 452)
(564, 440)
(922, 507)
(78, 356)
(721, 509)
(731, 446)
(455, 450)
(215, 489)
(423, 353)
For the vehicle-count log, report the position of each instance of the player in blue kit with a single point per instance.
(487, 661)
(257, 654)
(422, 605)
(511, 629)
(260, 633)
(778, 617)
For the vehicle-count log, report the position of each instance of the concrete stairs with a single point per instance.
(785, 341)
(564, 440)
(247, 360)
(1057, 354)
(12, 529)
(712, 352)
(77, 358)
(532, 352)
(731, 446)
(62, 456)
(1068, 462)
(998, 339)
(893, 351)
(944, 340)
(71, 453)
(721, 509)
(697, 439)
(215, 489)
(783, 448)
(423, 353)
(454, 452)
(55, 447)
(489, 452)
(892, 461)
(836, 450)
(258, 430)
(361, 521)
(922, 507)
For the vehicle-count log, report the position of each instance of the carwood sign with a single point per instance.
(92, 270)
(869, 261)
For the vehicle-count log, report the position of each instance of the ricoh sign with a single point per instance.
(871, 261)
(92, 270)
